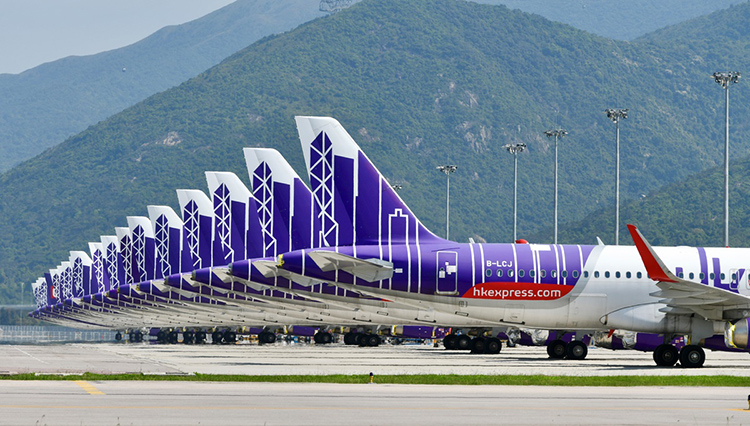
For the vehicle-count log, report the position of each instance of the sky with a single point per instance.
(33, 32)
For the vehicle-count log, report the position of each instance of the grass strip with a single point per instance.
(416, 379)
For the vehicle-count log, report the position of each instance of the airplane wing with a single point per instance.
(683, 296)
(370, 270)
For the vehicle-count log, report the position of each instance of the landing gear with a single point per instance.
(230, 336)
(576, 350)
(200, 337)
(188, 337)
(323, 338)
(692, 356)
(266, 337)
(369, 340)
(217, 337)
(118, 336)
(449, 342)
(463, 342)
(172, 337)
(665, 355)
(557, 349)
(492, 346)
(477, 345)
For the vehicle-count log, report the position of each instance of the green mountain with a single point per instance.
(417, 84)
(43, 106)
(623, 20)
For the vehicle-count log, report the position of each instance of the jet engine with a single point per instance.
(736, 334)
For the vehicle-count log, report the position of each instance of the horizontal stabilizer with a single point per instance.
(370, 270)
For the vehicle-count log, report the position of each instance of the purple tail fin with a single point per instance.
(357, 205)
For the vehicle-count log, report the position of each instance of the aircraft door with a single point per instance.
(447, 272)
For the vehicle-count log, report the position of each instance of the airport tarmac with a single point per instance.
(209, 403)
(339, 359)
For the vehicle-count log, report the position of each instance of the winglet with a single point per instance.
(655, 268)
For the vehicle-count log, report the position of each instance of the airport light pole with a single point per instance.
(725, 79)
(515, 148)
(556, 133)
(617, 114)
(447, 170)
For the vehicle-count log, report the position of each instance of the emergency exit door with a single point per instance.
(447, 272)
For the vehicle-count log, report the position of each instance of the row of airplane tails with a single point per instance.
(348, 255)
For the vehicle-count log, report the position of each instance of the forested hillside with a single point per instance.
(43, 106)
(417, 84)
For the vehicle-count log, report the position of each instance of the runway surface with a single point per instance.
(175, 403)
(339, 359)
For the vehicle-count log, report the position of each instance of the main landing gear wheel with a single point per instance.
(557, 349)
(349, 339)
(369, 340)
(477, 345)
(492, 346)
(665, 355)
(449, 342)
(576, 350)
(692, 356)
(118, 336)
(323, 338)
(266, 337)
(217, 337)
(187, 337)
(463, 342)
(200, 337)
(230, 337)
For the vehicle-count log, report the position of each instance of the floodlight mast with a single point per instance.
(725, 79)
(617, 114)
(515, 148)
(447, 170)
(556, 133)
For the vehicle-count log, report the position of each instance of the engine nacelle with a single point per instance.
(736, 335)
(649, 319)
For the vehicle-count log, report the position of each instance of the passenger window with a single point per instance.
(723, 276)
(702, 275)
(711, 275)
(499, 273)
(680, 275)
(543, 273)
(617, 274)
(565, 274)
(734, 276)
(575, 274)
(520, 273)
(627, 274)
(586, 274)
(553, 273)
(639, 275)
(488, 273)
(532, 273)
(606, 274)
(510, 273)
(596, 274)
(692, 275)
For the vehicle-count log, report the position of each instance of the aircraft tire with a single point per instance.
(230, 336)
(267, 337)
(161, 336)
(200, 337)
(172, 337)
(692, 356)
(576, 350)
(666, 355)
(493, 346)
(478, 345)
(371, 340)
(118, 336)
(449, 342)
(349, 338)
(188, 337)
(217, 337)
(557, 349)
(326, 338)
(463, 342)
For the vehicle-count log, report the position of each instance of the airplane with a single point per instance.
(376, 246)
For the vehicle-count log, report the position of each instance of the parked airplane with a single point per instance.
(378, 247)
